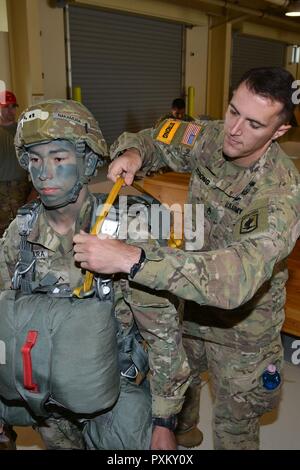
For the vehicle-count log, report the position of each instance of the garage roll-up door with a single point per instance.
(128, 67)
(249, 52)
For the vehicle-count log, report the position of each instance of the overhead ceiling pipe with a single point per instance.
(251, 11)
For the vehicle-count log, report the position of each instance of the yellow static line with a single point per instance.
(86, 288)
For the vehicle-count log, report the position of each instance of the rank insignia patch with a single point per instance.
(190, 135)
(168, 131)
(249, 222)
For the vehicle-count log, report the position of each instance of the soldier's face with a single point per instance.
(8, 114)
(178, 113)
(54, 171)
(251, 123)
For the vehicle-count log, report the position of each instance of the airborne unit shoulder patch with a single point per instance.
(176, 132)
(249, 222)
(168, 131)
(254, 222)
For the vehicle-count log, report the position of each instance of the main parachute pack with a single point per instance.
(61, 350)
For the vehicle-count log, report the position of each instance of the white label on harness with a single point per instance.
(110, 227)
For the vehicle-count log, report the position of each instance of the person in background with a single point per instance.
(177, 112)
(235, 281)
(14, 184)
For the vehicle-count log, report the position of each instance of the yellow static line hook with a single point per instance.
(87, 288)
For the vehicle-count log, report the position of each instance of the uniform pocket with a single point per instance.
(249, 397)
(144, 297)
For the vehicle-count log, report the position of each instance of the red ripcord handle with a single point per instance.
(27, 364)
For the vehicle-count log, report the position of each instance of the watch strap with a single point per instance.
(137, 266)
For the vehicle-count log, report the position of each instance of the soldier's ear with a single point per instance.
(91, 163)
(281, 131)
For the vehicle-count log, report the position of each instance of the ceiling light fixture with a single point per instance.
(293, 8)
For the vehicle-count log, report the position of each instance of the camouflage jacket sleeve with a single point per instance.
(157, 318)
(9, 250)
(227, 278)
(173, 143)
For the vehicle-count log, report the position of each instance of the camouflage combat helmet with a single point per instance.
(62, 119)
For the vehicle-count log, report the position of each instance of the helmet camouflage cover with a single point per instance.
(58, 119)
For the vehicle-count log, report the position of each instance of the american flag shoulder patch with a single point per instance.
(190, 135)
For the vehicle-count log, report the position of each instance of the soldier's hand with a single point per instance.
(126, 166)
(163, 439)
(101, 254)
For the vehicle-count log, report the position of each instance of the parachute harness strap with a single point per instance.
(87, 290)
(24, 270)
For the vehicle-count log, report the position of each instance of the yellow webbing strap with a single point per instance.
(85, 289)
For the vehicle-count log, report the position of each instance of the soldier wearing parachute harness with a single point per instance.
(62, 362)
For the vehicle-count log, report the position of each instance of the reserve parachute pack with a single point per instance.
(61, 350)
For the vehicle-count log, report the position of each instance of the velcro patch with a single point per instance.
(253, 222)
(168, 131)
(190, 135)
(249, 222)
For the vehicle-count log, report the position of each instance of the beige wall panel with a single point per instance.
(5, 74)
(34, 48)
(218, 70)
(19, 51)
(182, 13)
(53, 51)
(196, 65)
(3, 16)
(277, 34)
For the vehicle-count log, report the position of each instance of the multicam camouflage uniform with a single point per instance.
(14, 184)
(236, 284)
(155, 315)
(185, 117)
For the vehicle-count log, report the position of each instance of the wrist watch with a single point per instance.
(170, 422)
(137, 266)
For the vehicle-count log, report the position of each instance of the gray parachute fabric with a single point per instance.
(58, 350)
(15, 411)
(61, 350)
(128, 425)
